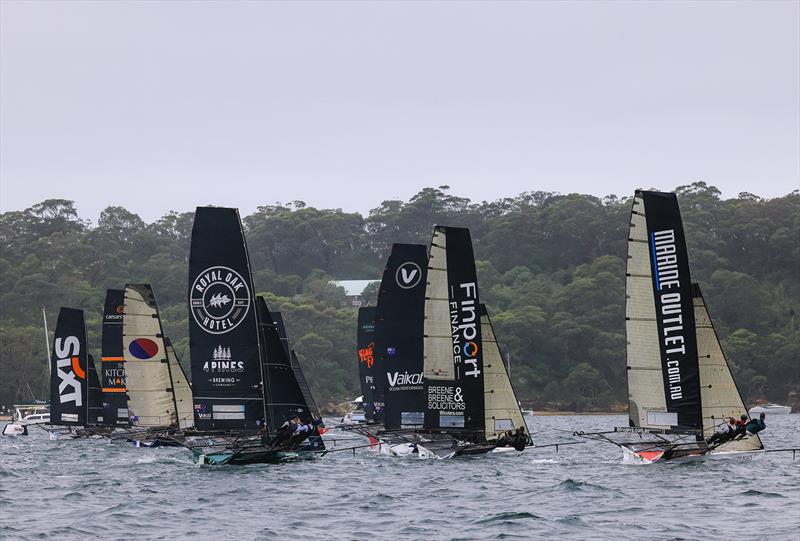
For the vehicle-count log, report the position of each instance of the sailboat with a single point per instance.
(75, 399)
(461, 396)
(680, 386)
(237, 383)
(159, 396)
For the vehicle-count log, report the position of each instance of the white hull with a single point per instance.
(770, 409)
(15, 429)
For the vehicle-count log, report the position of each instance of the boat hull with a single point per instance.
(631, 456)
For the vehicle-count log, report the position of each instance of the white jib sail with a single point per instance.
(719, 396)
(182, 390)
(501, 406)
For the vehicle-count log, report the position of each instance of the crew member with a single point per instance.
(756, 425)
(286, 431)
(724, 433)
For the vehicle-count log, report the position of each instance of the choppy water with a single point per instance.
(84, 489)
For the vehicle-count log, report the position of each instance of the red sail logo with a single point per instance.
(365, 355)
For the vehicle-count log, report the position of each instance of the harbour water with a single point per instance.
(85, 489)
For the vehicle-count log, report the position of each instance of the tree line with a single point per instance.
(551, 270)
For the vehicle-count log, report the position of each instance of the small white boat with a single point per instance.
(770, 409)
(24, 415)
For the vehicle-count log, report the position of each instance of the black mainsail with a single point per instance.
(69, 388)
(223, 327)
(298, 370)
(398, 351)
(453, 365)
(284, 398)
(365, 346)
(112, 362)
(94, 415)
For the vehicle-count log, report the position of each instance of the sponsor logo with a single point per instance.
(219, 299)
(665, 266)
(143, 348)
(67, 351)
(119, 311)
(463, 322)
(201, 410)
(397, 379)
(222, 362)
(445, 398)
(408, 275)
(365, 355)
(114, 377)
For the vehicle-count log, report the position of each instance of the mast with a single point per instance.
(662, 361)
(228, 377)
(398, 351)
(47, 341)
(453, 364)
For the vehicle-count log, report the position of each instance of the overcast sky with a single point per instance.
(160, 106)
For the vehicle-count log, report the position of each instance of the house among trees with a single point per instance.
(354, 289)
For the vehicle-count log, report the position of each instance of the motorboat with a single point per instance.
(770, 409)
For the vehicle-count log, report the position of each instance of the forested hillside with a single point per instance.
(551, 270)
